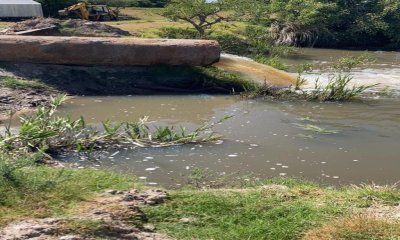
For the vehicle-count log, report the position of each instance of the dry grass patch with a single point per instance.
(356, 227)
(149, 21)
(4, 25)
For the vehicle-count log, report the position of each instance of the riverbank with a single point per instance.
(57, 203)
(24, 87)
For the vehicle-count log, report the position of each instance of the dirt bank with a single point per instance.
(71, 27)
(109, 216)
(17, 100)
(39, 81)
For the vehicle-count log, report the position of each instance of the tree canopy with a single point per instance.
(202, 14)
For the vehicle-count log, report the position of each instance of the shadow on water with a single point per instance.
(132, 80)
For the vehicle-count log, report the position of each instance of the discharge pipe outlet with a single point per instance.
(108, 51)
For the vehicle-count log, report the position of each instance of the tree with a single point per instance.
(51, 7)
(299, 22)
(202, 14)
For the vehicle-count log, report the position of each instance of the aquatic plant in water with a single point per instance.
(46, 132)
(314, 128)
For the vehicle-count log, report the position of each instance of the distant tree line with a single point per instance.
(320, 23)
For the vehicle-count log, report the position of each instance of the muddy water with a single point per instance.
(357, 142)
(256, 72)
(385, 69)
(263, 139)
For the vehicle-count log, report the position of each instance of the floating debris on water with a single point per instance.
(112, 155)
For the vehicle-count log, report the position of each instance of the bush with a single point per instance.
(179, 33)
(232, 43)
(51, 7)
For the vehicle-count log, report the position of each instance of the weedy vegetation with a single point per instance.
(31, 190)
(316, 129)
(46, 132)
(16, 83)
(339, 86)
(273, 209)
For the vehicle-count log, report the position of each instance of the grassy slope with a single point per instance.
(150, 21)
(16, 83)
(27, 190)
(275, 209)
(275, 213)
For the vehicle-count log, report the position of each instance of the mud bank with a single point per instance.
(18, 100)
(39, 81)
(110, 215)
(108, 51)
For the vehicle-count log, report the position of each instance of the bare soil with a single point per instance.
(109, 216)
(20, 100)
(71, 27)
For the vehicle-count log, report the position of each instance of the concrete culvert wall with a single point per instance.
(108, 51)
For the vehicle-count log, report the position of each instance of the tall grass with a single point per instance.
(338, 89)
(339, 86)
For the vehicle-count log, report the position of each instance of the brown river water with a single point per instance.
(264, 138)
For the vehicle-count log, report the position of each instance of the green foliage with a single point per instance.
(331, 23)
(51, 7)
(348, 63)
(271, 61)
(338, 86)
(43, 131)
(16, 83)
(274, 209)
(338, 89)
(179, 33)
(201, 14)
(31, 190)
(231, 43)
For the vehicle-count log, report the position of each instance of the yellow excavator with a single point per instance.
(89, 12)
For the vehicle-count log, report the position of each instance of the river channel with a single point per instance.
(336, 143)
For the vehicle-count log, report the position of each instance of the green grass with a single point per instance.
(280, 208)
(16, 83)
(29, 190)
(261, 213)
